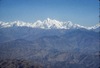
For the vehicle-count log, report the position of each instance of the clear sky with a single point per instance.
(83, 12)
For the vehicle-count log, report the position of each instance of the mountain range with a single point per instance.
(46, 24)
(50, 43)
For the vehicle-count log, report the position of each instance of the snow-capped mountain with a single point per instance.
(46, 24)
(54, 43)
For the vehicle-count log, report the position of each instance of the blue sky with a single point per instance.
(83, 12)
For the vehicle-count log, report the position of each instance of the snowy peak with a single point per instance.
(46, 24)
(52, 24)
